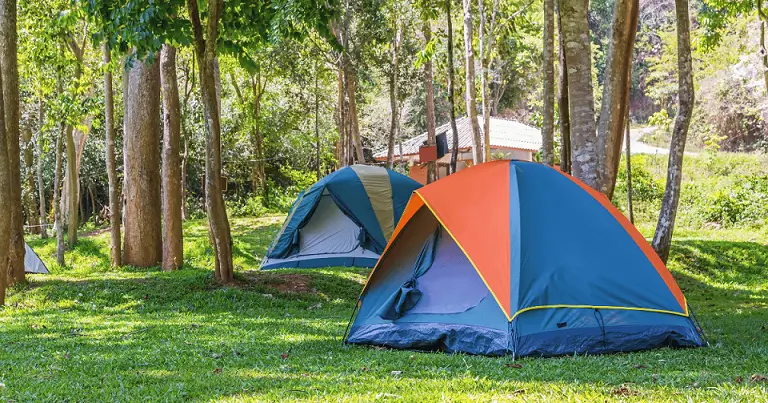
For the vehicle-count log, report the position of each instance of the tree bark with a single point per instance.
(115, 202)
(763, 51)
(258, 91)
(71, 187)
(317, 125)
(430, 101)
(615, 102)
(40, 184)
(451, 89)
(6, 223)
(562, 101)
(628, 141)
(578, 57)
(10, 73)
(548, 121)
(57, 213)
(143, 241)
(218, 223)
(30, 201)
(340, 149)
(470, 90)
(173, 252)
(685, 100)
(350, 79)
(486, 47)
(393, 78)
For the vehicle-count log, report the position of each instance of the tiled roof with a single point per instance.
(504, 133)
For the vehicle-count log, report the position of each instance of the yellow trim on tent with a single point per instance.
(625, 308)
(467, 255)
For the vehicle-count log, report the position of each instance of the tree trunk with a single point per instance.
(562, 101)
(578, 57)
(627, 141)
(317, 125)
(340, 149)
(6, 223)
(10, 74)
(30, 195)
(470, 90)
(430, 101)
(451, 89)
(173, 253)
(615, 102)
(548, 121)
(486, 47)
(258, 91)
(57, 213)
(685, 100)
(115, 202)
(40, 185)
(393, 126)
(143, 241)
(218, 223)
(763, 51)
(184, 179)
(71, 188)
(351, 86)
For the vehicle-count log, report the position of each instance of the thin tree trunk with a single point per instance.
(71, 187)
(5, 199)
(548, 121)
(173, 248)
(430, 101)
(350, 79)
(30, 195)
(562, 102)
(470, 92)
(451, 89)
(10, 74)
(57, 213)
(578, 57)
(184, 179)
(218, 223)
(763, 51)
(258, 91)
(40, 184)
(317, 125)
(685, 101)
(615, 102)
(393, 126)
(143, 241)
(115, 205)
(340, 150)
(628, 141)
(486, 47)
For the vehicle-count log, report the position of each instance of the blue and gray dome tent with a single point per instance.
(345, 219)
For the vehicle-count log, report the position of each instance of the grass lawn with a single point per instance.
(90, 333)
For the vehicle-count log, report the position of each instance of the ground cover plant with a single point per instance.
(90, 333)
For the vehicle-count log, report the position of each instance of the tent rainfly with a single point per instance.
(528, 262)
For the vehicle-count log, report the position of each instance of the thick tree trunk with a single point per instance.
(115, 201)
(218, 223)
(470, 92)
(562, 101)
(578, 57)
(173, 252)
(430, 101)
(615, 102)
(40, 185)
(6, 224)
(395, 114)
(143, 241)
(548, 70)
(451, 89)
(350, 77)
(10, 74)
(685, 100)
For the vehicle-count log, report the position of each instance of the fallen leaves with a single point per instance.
(286, 354)
(639, 366)
(757, 378)
(217, 371)
(516, 366)
(623, 390)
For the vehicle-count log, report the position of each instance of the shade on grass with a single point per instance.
(91, 333)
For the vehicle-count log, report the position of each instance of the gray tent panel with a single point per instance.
(32, 262)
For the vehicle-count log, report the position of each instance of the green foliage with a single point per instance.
(88, 332)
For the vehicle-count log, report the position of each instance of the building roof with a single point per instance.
(504, 134)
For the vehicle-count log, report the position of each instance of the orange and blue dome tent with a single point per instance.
(518, 258)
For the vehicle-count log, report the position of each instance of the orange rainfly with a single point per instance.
(477, 218)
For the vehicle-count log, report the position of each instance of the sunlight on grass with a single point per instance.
(91, 332)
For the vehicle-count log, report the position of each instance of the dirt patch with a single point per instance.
(289, 283)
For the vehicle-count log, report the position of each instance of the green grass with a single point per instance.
(90, 333)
